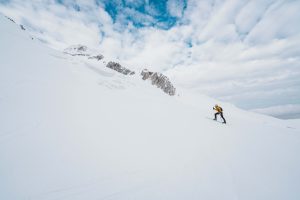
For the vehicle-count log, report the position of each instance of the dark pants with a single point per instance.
(220, 113)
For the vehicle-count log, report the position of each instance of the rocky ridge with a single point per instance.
(160, 80)
(156, 78)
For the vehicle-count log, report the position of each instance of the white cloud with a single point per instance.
(138, 16)
(175, 7)
(284, 111)
(279, 21)
(58, 25)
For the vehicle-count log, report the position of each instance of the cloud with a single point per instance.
(58, 25)
(176, 7)
(244, 52)
(278, 21)
(284, 111)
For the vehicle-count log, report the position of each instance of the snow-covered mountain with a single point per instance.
(72, 128)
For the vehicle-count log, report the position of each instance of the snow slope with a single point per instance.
(71, 129)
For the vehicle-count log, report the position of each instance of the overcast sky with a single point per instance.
(243, 52)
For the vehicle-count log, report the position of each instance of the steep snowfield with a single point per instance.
(71, 129)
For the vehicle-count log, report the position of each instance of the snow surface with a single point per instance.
(72, 129)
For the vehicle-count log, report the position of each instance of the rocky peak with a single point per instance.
(119, 68)
(10, 19)
(81, 50)
(160, 80)
(97, 57)
(77, 50)
(156, 78)
(22, 27)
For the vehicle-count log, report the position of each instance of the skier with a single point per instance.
(219, 112)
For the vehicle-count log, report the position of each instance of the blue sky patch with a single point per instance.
(141, 13)
(4, 1)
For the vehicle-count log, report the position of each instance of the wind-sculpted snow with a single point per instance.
(73, 129)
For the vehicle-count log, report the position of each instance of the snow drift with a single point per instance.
(70, 128)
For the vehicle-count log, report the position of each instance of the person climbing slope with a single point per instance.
(219, 111)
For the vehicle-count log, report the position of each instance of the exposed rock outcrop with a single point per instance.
(77, 50)
(81, 50)
(97, 57)
(22, 27)
(10, 19)
(160, 80)
(119, 68)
